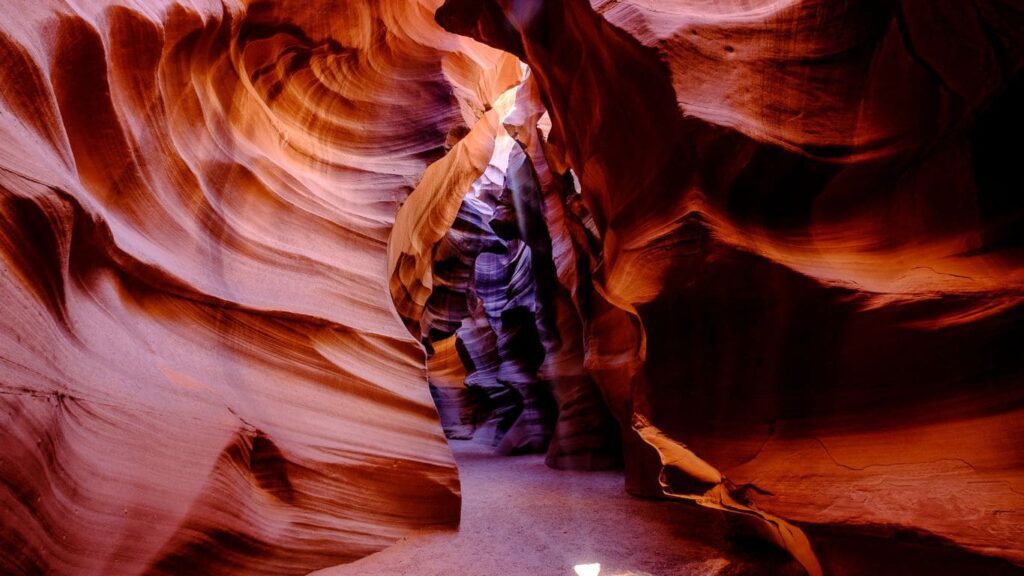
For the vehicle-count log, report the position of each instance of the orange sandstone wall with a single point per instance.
(807, 262)
(200, 365)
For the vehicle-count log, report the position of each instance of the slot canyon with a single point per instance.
(512, 287)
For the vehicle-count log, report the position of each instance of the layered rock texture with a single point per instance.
(202, 371)
(768, 254)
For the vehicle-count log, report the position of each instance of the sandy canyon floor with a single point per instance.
(520, 517)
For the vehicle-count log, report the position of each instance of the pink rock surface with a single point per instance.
(201, 369)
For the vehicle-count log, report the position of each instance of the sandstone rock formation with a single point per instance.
(201, 367)
(767, 252)
(806, 244)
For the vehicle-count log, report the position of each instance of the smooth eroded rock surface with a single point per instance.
(767, 254)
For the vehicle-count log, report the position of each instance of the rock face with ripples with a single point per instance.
(768, 253)
(201, 366)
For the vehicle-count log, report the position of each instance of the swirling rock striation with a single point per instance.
(202, 370)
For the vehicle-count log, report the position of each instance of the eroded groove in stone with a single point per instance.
(201, 366)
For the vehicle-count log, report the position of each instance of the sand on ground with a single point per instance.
(521, 518)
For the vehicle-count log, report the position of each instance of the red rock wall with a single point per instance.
(200, 366)
(778, 240)
(807, 237)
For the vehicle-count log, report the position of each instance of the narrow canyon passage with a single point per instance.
(508, 287)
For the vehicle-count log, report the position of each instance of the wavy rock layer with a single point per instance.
(201, 367)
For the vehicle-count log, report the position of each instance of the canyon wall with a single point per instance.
(768, 253)
(201, 369)
(807, 274)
